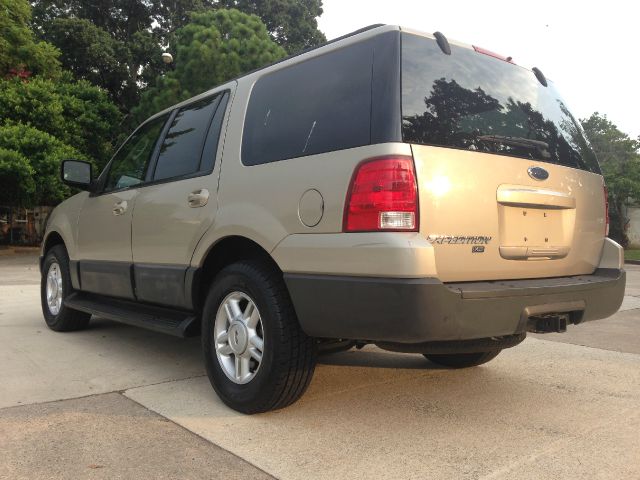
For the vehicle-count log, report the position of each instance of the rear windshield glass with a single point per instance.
(472, 101)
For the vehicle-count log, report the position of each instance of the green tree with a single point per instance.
(90, 53)
(75, 113)
(292, 23)
(43, 153)
(118, 44)
(20, 52)
(620, 161)
(45, 115)
(16, 178)
(214, 47)
(109, 43)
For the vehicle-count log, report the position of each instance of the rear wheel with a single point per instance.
(256, 355)
(462, 360)
(55, 286)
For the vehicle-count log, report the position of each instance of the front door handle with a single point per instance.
(198, 198)
(120, 207)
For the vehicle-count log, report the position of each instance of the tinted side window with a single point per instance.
(320, 105)
(182, 146)
(213, 137)
(129, 166)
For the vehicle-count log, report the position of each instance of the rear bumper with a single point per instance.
(427, 310)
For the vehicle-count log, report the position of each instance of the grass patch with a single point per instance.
(632, 254)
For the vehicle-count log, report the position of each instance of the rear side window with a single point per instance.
(183, 144)
(320, 105)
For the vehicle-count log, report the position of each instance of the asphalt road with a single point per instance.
(118, 402)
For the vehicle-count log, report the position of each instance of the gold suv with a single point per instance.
(389, 187)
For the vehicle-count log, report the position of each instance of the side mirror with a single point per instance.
(77, 174)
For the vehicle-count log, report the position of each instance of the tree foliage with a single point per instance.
(45, 115)
(620, 161)
(16, 178)
(212, 48)
(107, 43)
(43, 154)
(291, 23)
(19, 49)
(118, 44)
(76, 113)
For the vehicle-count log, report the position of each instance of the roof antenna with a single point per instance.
(443, 43)
(540, 76)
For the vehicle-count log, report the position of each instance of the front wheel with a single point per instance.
(256, 355)
(55, 286)
(462, 360)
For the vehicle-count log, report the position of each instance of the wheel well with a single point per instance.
(227, 251)
(52, 240)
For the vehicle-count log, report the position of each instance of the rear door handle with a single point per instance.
(198, 198)
(120, 207)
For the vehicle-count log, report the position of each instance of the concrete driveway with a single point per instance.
(117, 402)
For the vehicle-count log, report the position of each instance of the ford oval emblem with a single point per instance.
(538, 173)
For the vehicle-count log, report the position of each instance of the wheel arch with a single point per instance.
(225, 251)
(50, 240)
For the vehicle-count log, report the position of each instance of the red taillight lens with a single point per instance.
(383, 196)
(606, 211)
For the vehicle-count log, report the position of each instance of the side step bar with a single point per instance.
(159, 319)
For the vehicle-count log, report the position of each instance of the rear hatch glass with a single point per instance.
(472, 101)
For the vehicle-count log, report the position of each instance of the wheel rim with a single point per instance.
(54, 288)
(239, 337)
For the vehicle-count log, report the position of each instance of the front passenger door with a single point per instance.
(104, 225)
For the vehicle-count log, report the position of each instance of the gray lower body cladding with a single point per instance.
(421, 310)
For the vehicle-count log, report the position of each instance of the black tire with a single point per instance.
(66, 319)
(289, 355)
(462, 360)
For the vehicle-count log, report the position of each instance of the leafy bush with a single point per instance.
(76, 113)
(34, 157)
(16, 178)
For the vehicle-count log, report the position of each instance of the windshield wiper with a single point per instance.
(542, 147)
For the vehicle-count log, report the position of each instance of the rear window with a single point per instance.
(316, 106)
(472, 101)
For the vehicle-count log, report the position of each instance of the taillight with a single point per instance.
(606, 211)
(383, 196)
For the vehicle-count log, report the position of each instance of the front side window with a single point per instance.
(182, 146)
(130, 164)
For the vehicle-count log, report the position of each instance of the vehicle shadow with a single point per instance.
(373, 357)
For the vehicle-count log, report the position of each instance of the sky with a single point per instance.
(589, 49)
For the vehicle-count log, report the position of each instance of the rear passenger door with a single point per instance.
(178, 205)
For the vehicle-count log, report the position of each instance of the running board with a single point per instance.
(159, 319)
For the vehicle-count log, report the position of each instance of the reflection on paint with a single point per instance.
(438, 186)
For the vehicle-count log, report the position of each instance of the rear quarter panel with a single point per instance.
(261, 202)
